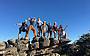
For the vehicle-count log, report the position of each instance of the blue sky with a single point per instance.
(74, 13)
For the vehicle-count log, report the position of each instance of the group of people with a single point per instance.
(43, 28)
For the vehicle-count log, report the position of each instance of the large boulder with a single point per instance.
(12, 42)
(2, 45)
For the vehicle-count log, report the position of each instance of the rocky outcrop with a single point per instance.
(44, 47)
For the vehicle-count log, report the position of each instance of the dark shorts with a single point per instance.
(39, 27)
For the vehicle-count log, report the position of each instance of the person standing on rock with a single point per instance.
(61, 33)
(23, 28)
(55, 27)
(39, 24)
(44, 29)
(49, 30)
(31, 27)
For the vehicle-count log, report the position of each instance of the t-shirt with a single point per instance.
(24, 27)
(32, 22)
(49, 27)
(39, 23)
(44, 28)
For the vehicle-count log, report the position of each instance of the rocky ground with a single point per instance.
(20, 48)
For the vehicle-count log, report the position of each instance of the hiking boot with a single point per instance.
(34, 40)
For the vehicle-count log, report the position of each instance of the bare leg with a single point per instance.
(27, 32)
(34, 31)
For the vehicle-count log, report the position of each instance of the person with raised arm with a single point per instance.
(23, 28)
(32, 27)
(61, 33)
